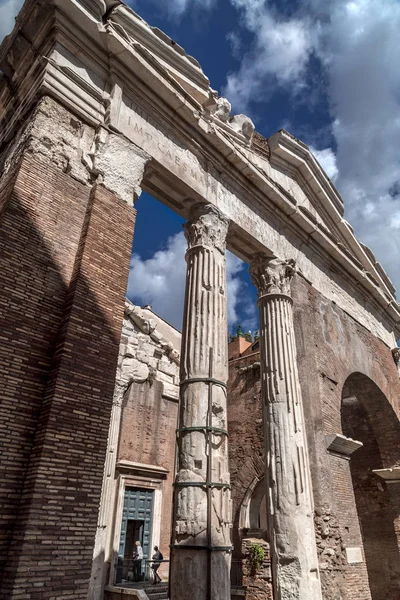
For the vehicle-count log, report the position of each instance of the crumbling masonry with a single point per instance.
(96, 106)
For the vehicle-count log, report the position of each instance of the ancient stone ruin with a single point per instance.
(286, 483)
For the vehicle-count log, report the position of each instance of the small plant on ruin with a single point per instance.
(256, 557)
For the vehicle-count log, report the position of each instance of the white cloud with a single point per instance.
(357, 42)
(279, 56)
(362, 51)
(327, 160)
(177, 8)
(8, 11)
(160, 281)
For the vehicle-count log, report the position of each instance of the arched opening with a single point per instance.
(253, 511)
(258, 507)
(368, 417)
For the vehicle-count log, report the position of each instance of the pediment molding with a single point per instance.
(136, 56)
(294, 155)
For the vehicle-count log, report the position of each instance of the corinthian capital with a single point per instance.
(271, 275)
(207, 227)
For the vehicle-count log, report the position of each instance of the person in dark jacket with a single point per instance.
(157, 558)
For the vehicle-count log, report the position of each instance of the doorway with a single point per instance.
(137, 523)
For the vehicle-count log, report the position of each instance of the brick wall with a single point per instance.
(65, 267)
(257, 579)
(246, 441)
(332, 350)
(148, 436)
(247, 465)
(42, 221)
(372, 498)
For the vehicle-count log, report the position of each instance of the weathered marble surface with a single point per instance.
(202, 514)
(290, 499)
(143, 99)
(149, 350)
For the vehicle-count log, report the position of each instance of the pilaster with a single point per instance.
(290, 504)
(200, 563)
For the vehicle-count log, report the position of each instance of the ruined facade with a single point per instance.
(95, 107)
(136, 501)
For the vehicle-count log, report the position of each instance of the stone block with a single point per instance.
(134, 370)
(164, 378)
(156, 336)
(167, 367)
(171, 391)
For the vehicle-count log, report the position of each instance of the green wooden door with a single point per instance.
(137, 521)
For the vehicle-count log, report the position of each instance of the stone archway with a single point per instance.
(253, 510)
(368, 417)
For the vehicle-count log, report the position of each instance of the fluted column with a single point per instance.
(200, 556)
(290, 503)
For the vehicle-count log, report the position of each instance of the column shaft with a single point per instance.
(290, 502)
(200, 558)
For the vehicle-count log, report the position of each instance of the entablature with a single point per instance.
(116, 72)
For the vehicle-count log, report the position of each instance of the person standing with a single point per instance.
(157, 558)
(137, 561)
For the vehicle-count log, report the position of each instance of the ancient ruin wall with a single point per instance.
(246, 437)
(66, 249)
(150, 412)
(332, 347)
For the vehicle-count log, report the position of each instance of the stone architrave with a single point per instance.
(290, 503)
(200, 557)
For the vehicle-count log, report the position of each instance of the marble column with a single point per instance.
(289, 493)
(200, 553)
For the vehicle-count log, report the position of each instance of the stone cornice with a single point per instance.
(283, 145)
(287, 149)
(391, 475)
(341, 445)
(142, 469)
(170, 54)
(113, 48)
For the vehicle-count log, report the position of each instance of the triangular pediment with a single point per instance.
(293, 166)
(116, 72)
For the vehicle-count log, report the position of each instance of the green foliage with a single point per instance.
(256, 557)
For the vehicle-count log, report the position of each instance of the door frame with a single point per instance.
(142, 477)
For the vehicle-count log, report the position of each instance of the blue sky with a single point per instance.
(325, 70)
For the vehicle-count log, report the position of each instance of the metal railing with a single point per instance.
(124, 571)
(147, 573)
(236, 573)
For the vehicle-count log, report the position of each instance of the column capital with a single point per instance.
(271, 275)
(207, 227)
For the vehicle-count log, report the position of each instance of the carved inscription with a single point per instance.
(160, 143)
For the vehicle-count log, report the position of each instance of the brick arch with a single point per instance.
(251, 509)
(368, 417)
(380, 413)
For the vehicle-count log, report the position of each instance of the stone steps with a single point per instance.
(157, 592)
